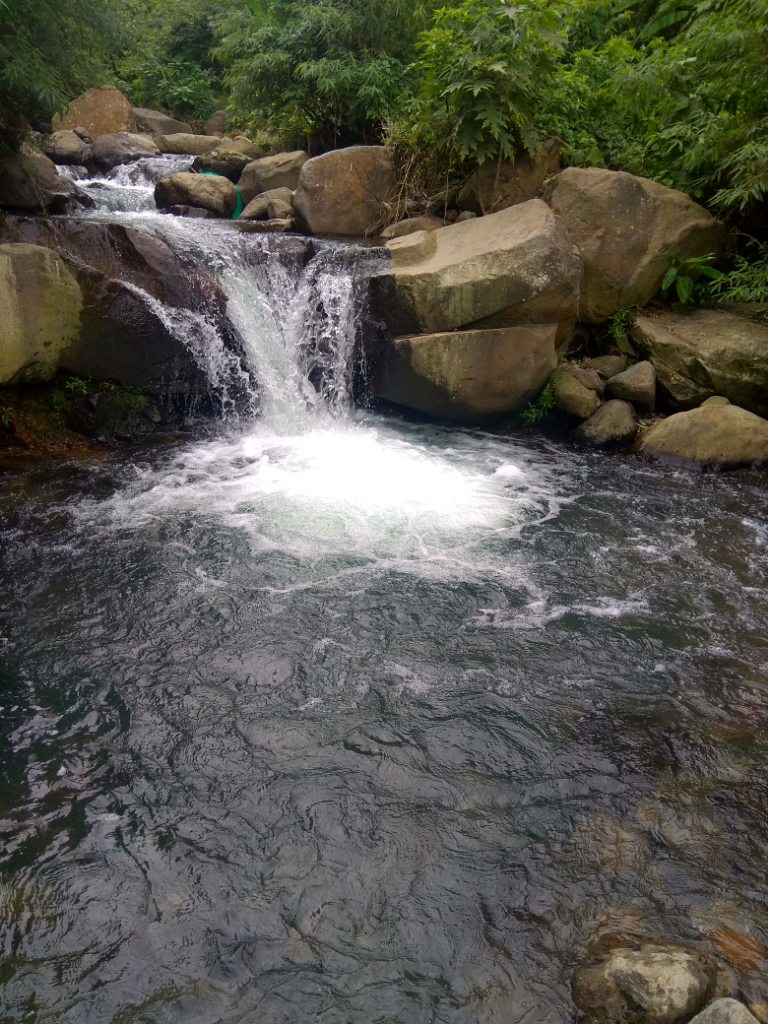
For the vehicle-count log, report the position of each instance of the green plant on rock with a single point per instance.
(77, 385)
(620, 323)
(6, 414)
(747, 281)
(683, 274)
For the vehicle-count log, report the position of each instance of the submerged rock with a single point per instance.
(271, 172)
(636, 385)
(614, 423)
(468, 376)
(722, 435)
(509, 268)
(572, 398)
(208, 191)
(100, 111)
(650, 985)
(346, 191)
(498, 184)
(183, 143)
(698, 353)
(40, 306)
(627, 230)
(156, 123)
(725, 1011)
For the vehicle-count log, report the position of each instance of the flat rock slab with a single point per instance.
(714, 434)
(184, 142)
(468, 376)
(698, 353)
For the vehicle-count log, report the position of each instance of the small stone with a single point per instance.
(636, 385)
(465, 215)
(572, 398)
(607, 366)
(614, 423)
(266, 205)
(716, 400)
(725, 1011)
(588, 378)
(651, 985)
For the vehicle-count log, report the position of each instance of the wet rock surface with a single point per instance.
(209, 191)
(722, 435)
(724, 1011)
(613, 425)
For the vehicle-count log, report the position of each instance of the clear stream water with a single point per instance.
(333, 717)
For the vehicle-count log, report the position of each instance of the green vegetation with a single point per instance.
(539, 409)
(683, 274)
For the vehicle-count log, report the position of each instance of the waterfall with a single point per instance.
(296, 304)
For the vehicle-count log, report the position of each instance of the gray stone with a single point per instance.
(468, 376)
(572, 398)
(275, 203)
(724, 1011)
(209, 191)
(636, 385)
(121, 148)
(509, 268)
(40, 306)
(650, 985)
(183, 142)
(627, 230)
(607, 366)
(723, 435)
(588, 378)
(346, 191)
(465, 215)
(614, 423)
(65, 147)
(155, 123)
(698, 353)
(271, 172)
(498, 184)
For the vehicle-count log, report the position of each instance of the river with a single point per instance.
(333, 716)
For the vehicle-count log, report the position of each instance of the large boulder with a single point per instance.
(627, 230)
(269, 205)
(121, 148)
(636, 385)
(28, 181)
(497, 184)
(468, 376)
(183, 142)
(65, 147)
(649, 985)
(703, 352)
(346, 191)
(271, 172)
(229, 159)
(40, 306)
(613, 425)
(509, 268)
(714, 434)
(155, 123)
(208, 191)
(100, 111)
(145, 310)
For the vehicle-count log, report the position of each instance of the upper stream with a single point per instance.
(331, 716)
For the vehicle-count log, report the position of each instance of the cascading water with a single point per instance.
(335, 717)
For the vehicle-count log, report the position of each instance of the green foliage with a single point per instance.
(620, 323)
(77, 385)
(683, 274)
(480, 68)
(747, 281)
(175, 84)
(539, 409)
(330, 71)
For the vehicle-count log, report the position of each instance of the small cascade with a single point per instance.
(296, 305)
